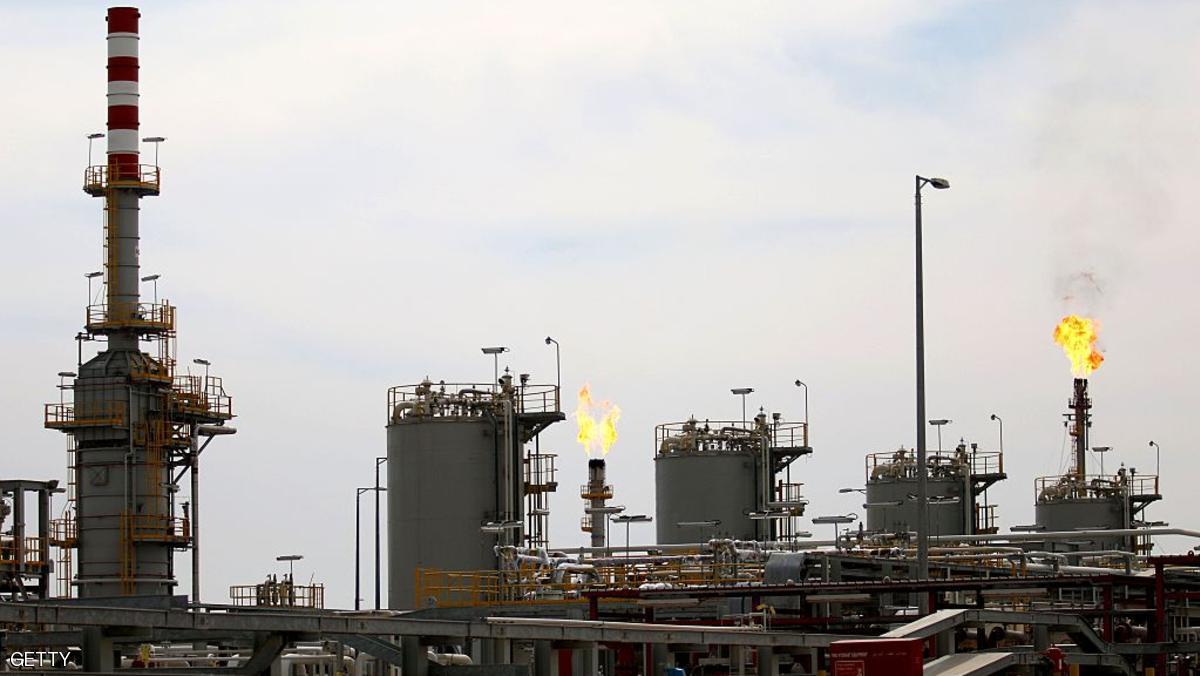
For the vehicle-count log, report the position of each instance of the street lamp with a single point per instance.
(628, 519)
(922, 468)
(557, 367)
(291, 561)
(939, 424)
(801, 383)
(153, 278)
(837, 520)
(742, 392)
(208, 431)
(63, 386)
(90, 276)
(90, 138)
(1157, 459)
(358, 492)
(495, 352)
(378, 461)
(1101, 450)
(1001, 423)
(155, 140)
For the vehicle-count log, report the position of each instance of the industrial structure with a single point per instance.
(731, 585)
(462, 477)
(957, 487)
(134, 421)
(1081, 501)
(728, 478)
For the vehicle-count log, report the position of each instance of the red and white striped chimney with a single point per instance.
(123, 92)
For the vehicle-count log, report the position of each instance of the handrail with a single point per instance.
(146, 316)
(105, 413)
(100, 177)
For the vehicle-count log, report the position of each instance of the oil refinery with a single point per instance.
(739, 576)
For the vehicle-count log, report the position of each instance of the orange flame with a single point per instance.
(596, 434)
(1077, 335)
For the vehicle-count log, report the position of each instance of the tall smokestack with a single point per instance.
(124, 174)
(123, 91)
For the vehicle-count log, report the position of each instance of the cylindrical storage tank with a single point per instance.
(891, 509)
(704, 476)
(442, 488)
(1079, 514)
(447, 451)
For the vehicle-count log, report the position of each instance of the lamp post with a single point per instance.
(557, 368)
(63, 386)
(939, 423)
(197, 448)
(495, 352)
(837, 520)
(358, 545)
(378, 461)
(742, 392)
(1157, 460)
(1000, 422)
(291, 561)
(205, 363)
(922, 468)
(90, 276)
(90, 138)
(153, 278)
(155, 140)
(628, 519)
(801, 383)
(1101, 450)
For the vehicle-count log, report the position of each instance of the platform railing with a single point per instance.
(100, 177)
(159, 317)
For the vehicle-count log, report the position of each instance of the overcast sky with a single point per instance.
(689, 196)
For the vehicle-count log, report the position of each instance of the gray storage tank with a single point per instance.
(956, 485)
(458, 477)
(719, 479)
(1078, 501)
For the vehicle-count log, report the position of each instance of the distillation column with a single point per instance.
(132, 419)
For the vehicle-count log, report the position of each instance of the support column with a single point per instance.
(589, 660)
(768, 664)
(544, 662)
(416, 663)
(660, 658)
(97, 650)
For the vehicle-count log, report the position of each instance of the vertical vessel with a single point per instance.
(132, 419)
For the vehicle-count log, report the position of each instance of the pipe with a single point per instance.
(195, 517)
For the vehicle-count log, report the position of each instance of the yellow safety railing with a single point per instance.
(158, 528)
(99, 178)
(31, 556)
(144, 316)
(276, 594)
(596, 492)
(63, 532)
(462, 588)
(70, 415)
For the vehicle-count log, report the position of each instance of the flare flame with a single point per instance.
(1078, 335)
(596, 434)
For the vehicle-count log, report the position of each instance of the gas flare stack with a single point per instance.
(133, 423)
(596, 493)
